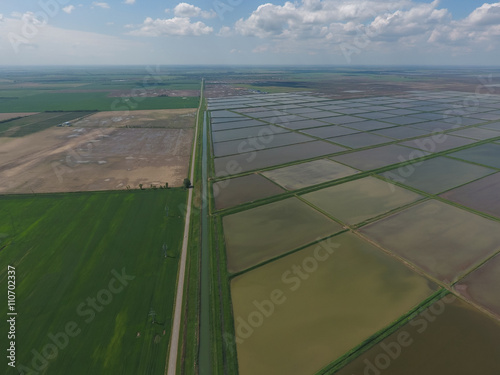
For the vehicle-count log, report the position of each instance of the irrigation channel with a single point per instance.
(204, 349)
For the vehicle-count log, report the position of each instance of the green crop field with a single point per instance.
(95, 279)
(90, 101)
(35, 123)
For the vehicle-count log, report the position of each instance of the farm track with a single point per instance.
(171, 367)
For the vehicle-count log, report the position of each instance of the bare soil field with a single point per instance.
(153, 93)
(163, 118)
(97, 157)
(9, 116)
(218, 89)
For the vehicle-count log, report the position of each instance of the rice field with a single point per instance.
(393, 200)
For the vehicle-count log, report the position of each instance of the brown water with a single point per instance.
(267, 231)
(309, 174)
(481, 286)
(438, 174)
(449, 338)
(235, 191)
(443, 240)
(355, 201)
(378, 157)
(481, 195)
(267, 158)
(296, 323)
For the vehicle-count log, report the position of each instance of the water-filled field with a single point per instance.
(378, 157)
(450, 337)
(438, 174)
(268, 231)
(308, 174)
(235, 191)
(443, 240)
(481, 195)
(356, 201)
(481, 286)
(257, 159)
(308, 308)
(301, 312)
(487, 154)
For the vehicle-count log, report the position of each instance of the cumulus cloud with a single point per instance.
(420, 20)
(177, 26)
(190, 11)
(482, 26)
(300, 19)
(100, 5)
(129, 2)
(68, 9)
(486, 14)
(367, 24)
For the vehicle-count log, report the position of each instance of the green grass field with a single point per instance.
(92, 270)
(35, 123)
(90, 101)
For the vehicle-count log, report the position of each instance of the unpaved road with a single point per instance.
(176, 325)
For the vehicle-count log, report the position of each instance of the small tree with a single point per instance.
(166, 185)
(140, 186)
(186, 183)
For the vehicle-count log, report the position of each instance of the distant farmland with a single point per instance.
(101, 266)
(90, 101)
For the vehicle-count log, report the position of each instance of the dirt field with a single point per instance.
(8, 116)
(164, 118)
(96, 157)
(154, 93)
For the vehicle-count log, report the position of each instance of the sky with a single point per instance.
(248, 32)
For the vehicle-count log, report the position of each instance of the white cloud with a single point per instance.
(486, 14)
(69, 9)
(225, 31)
(101, 5)
(420, 20)
(177, 26)
(310, 16)
(480, 29)
(368, 25)
(189, 11)
(129, 2)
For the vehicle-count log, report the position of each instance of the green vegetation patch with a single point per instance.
(359, 200)
(38, 122)
(319, 303)
(96, 276)
(443, 240)
(91, 101)
(262, 233)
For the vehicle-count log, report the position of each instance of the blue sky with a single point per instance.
(338, 32)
